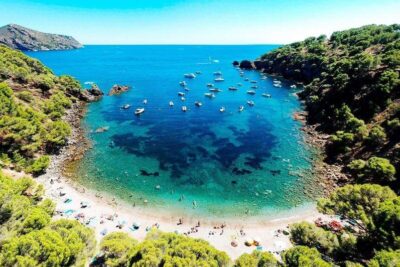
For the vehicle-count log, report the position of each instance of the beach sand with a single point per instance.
(104, 213)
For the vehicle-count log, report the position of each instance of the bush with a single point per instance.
(25, 96)
(374, 169)
(376, 136)
(386, 259)
(39, 165)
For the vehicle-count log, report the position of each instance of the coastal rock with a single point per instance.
(118, 89)
(235, 63)
(246, 64)
(18, 37)
(92, 94)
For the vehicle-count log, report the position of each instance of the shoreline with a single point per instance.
(104, 212)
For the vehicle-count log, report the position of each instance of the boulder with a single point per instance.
(235, 63)
(246, 64)
(118, 89)
(92, 94)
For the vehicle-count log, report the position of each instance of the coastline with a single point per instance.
(104, 212)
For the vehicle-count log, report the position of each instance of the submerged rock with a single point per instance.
(118, 89)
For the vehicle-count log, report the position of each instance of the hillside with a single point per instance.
(352, 91)
(33, 102)
(22, 38)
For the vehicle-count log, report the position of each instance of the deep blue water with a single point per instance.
(230, 163)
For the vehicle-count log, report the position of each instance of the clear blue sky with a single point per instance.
(196, 22)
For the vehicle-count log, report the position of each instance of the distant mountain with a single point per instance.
(22, 38)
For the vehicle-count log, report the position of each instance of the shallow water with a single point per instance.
(203, 161)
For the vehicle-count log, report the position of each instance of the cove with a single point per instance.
(200, 162)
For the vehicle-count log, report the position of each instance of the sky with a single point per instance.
(196, 22)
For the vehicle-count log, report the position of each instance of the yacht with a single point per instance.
(145, 101)
(171, 104)
(139, 111)
(219, 79)
(189, 75)
(184, 108)
(210, 85)
(187, 89)
(217, 73)
(215, 90)
(126, 106)
(254, 87)
(250, 103)
(266, 95)
(181, 94)
(222, 109)
(198, 104)
(209, 95)
(182, 83)
(277, 85)
(232, 88)
(251, 92)
(241, 108)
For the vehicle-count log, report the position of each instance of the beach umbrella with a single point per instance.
(234, 243)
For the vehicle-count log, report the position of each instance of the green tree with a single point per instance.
(301, 256)
(256, 259)
(115, 248)
(386, 259)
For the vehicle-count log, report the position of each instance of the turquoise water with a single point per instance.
(230, 163)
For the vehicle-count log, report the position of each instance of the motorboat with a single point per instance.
(251, 92)
(187, 89)
(183, 98)
(139, 111)
(215, 90)
(181, 94)
(241, 108)
(209, 95)
(217, 73)
(219, 79)
(250, 103)
(210, 85)
(184, 108)
(254, 87)
(198, 72)
(266, 95)
(277, 85)
(232, 88)
(189, 75)
(253, 81)
(171, 104)
(222, 109)
(145, 101)
(198, 104)
(126, 106)
(246, 79)
(182, 83)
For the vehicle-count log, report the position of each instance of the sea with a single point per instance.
(202, 162)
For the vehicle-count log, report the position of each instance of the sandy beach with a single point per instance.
(105, 214)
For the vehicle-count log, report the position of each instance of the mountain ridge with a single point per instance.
(25, 39)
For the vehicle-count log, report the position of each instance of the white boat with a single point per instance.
(182, 83)
(198, 104)
(232, 88)
(184, 108)
(219, 79)
(263, 78)
(251, 92)
(126, 106)
(139, 111)
(187, 89)
(145, 101)
(215, 90)
(189, 75)
(210, 85)
(250, 103)
(171, 104)
(183, 99)
(209, 95)
(241, 108)
(266, 95)
(277, 85)
(222, 109)
(181, 94)
(217, 73)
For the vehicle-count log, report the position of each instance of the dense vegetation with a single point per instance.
(352, 89)
(32, 103)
